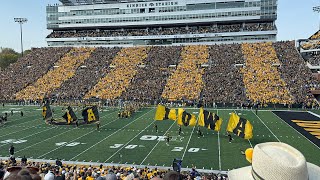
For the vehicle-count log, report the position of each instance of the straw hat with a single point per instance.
(274, 161)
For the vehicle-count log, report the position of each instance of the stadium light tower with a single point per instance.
(21, 21)
(317, 9)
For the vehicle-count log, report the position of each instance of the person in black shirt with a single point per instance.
(24, 160)
(199, 133)
(230, 137)
(98, 125)
(156, 127)
(11, 150)
(168, 139)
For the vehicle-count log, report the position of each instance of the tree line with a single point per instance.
(9, 56)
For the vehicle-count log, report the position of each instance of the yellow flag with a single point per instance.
(240, 126)
(201, 118)
(163, 113)
(185, 118)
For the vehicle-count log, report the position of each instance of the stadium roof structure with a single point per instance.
(88, 2)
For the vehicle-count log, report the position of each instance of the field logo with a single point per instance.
(313, 127)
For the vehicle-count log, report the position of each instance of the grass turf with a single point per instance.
(119, 140)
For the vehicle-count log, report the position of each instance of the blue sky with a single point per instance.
(296, 20)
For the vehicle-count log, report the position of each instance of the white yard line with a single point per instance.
(19, 130)
(44, 140)
(317, 115)
(250, 143)
(185, 149)
(296, 130)
(156, 144)
(55, 136)
(15, 125)
(267, 126)
(31, 135)
(128, 142)
(109, 136)
(219, 145)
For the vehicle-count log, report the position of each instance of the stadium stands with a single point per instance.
(186, 82)
(87, 75)
(46, 170)
(165, 31)
(223, 80)
(151, 79)
(28, 69)
(261, 77)
(124, 66)
(295, 73)
(214, 73)
(315, 36)
(62, 70)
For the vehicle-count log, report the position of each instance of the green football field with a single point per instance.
(134, 140)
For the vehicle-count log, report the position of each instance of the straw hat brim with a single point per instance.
(245, 173)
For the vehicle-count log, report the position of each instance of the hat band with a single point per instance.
(255, 175)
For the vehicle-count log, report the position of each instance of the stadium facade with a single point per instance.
(172, 22)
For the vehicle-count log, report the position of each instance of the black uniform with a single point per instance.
(230, 137)
(168, 139)
(11, 150)
(200, 133)
(156, 127)
(98, 125)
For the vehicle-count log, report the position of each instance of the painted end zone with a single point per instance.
(304, 122)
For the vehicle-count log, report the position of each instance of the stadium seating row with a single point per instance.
(151, 79)
(62, 70)
(261, 77)
(164, 30)
(223, 80)
(124, 66)
(192, 72)
(186, 82)
(28, 69)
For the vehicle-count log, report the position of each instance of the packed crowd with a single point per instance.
(315, 36)
(87, 75)
(63, 69)
(315, 44)
(313, 58)
(223, 80)
(51, 171)
(261, 77)
(125, 67)
(28, 69)
(164, 31)
(295, 73)
(186, 82)
(172, 73)
(151, 78)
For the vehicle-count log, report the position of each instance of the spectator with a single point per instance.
(273, 161)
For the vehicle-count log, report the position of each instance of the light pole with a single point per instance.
(317, 9)
(21, 21)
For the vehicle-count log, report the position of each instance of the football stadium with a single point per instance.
(180, 89)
